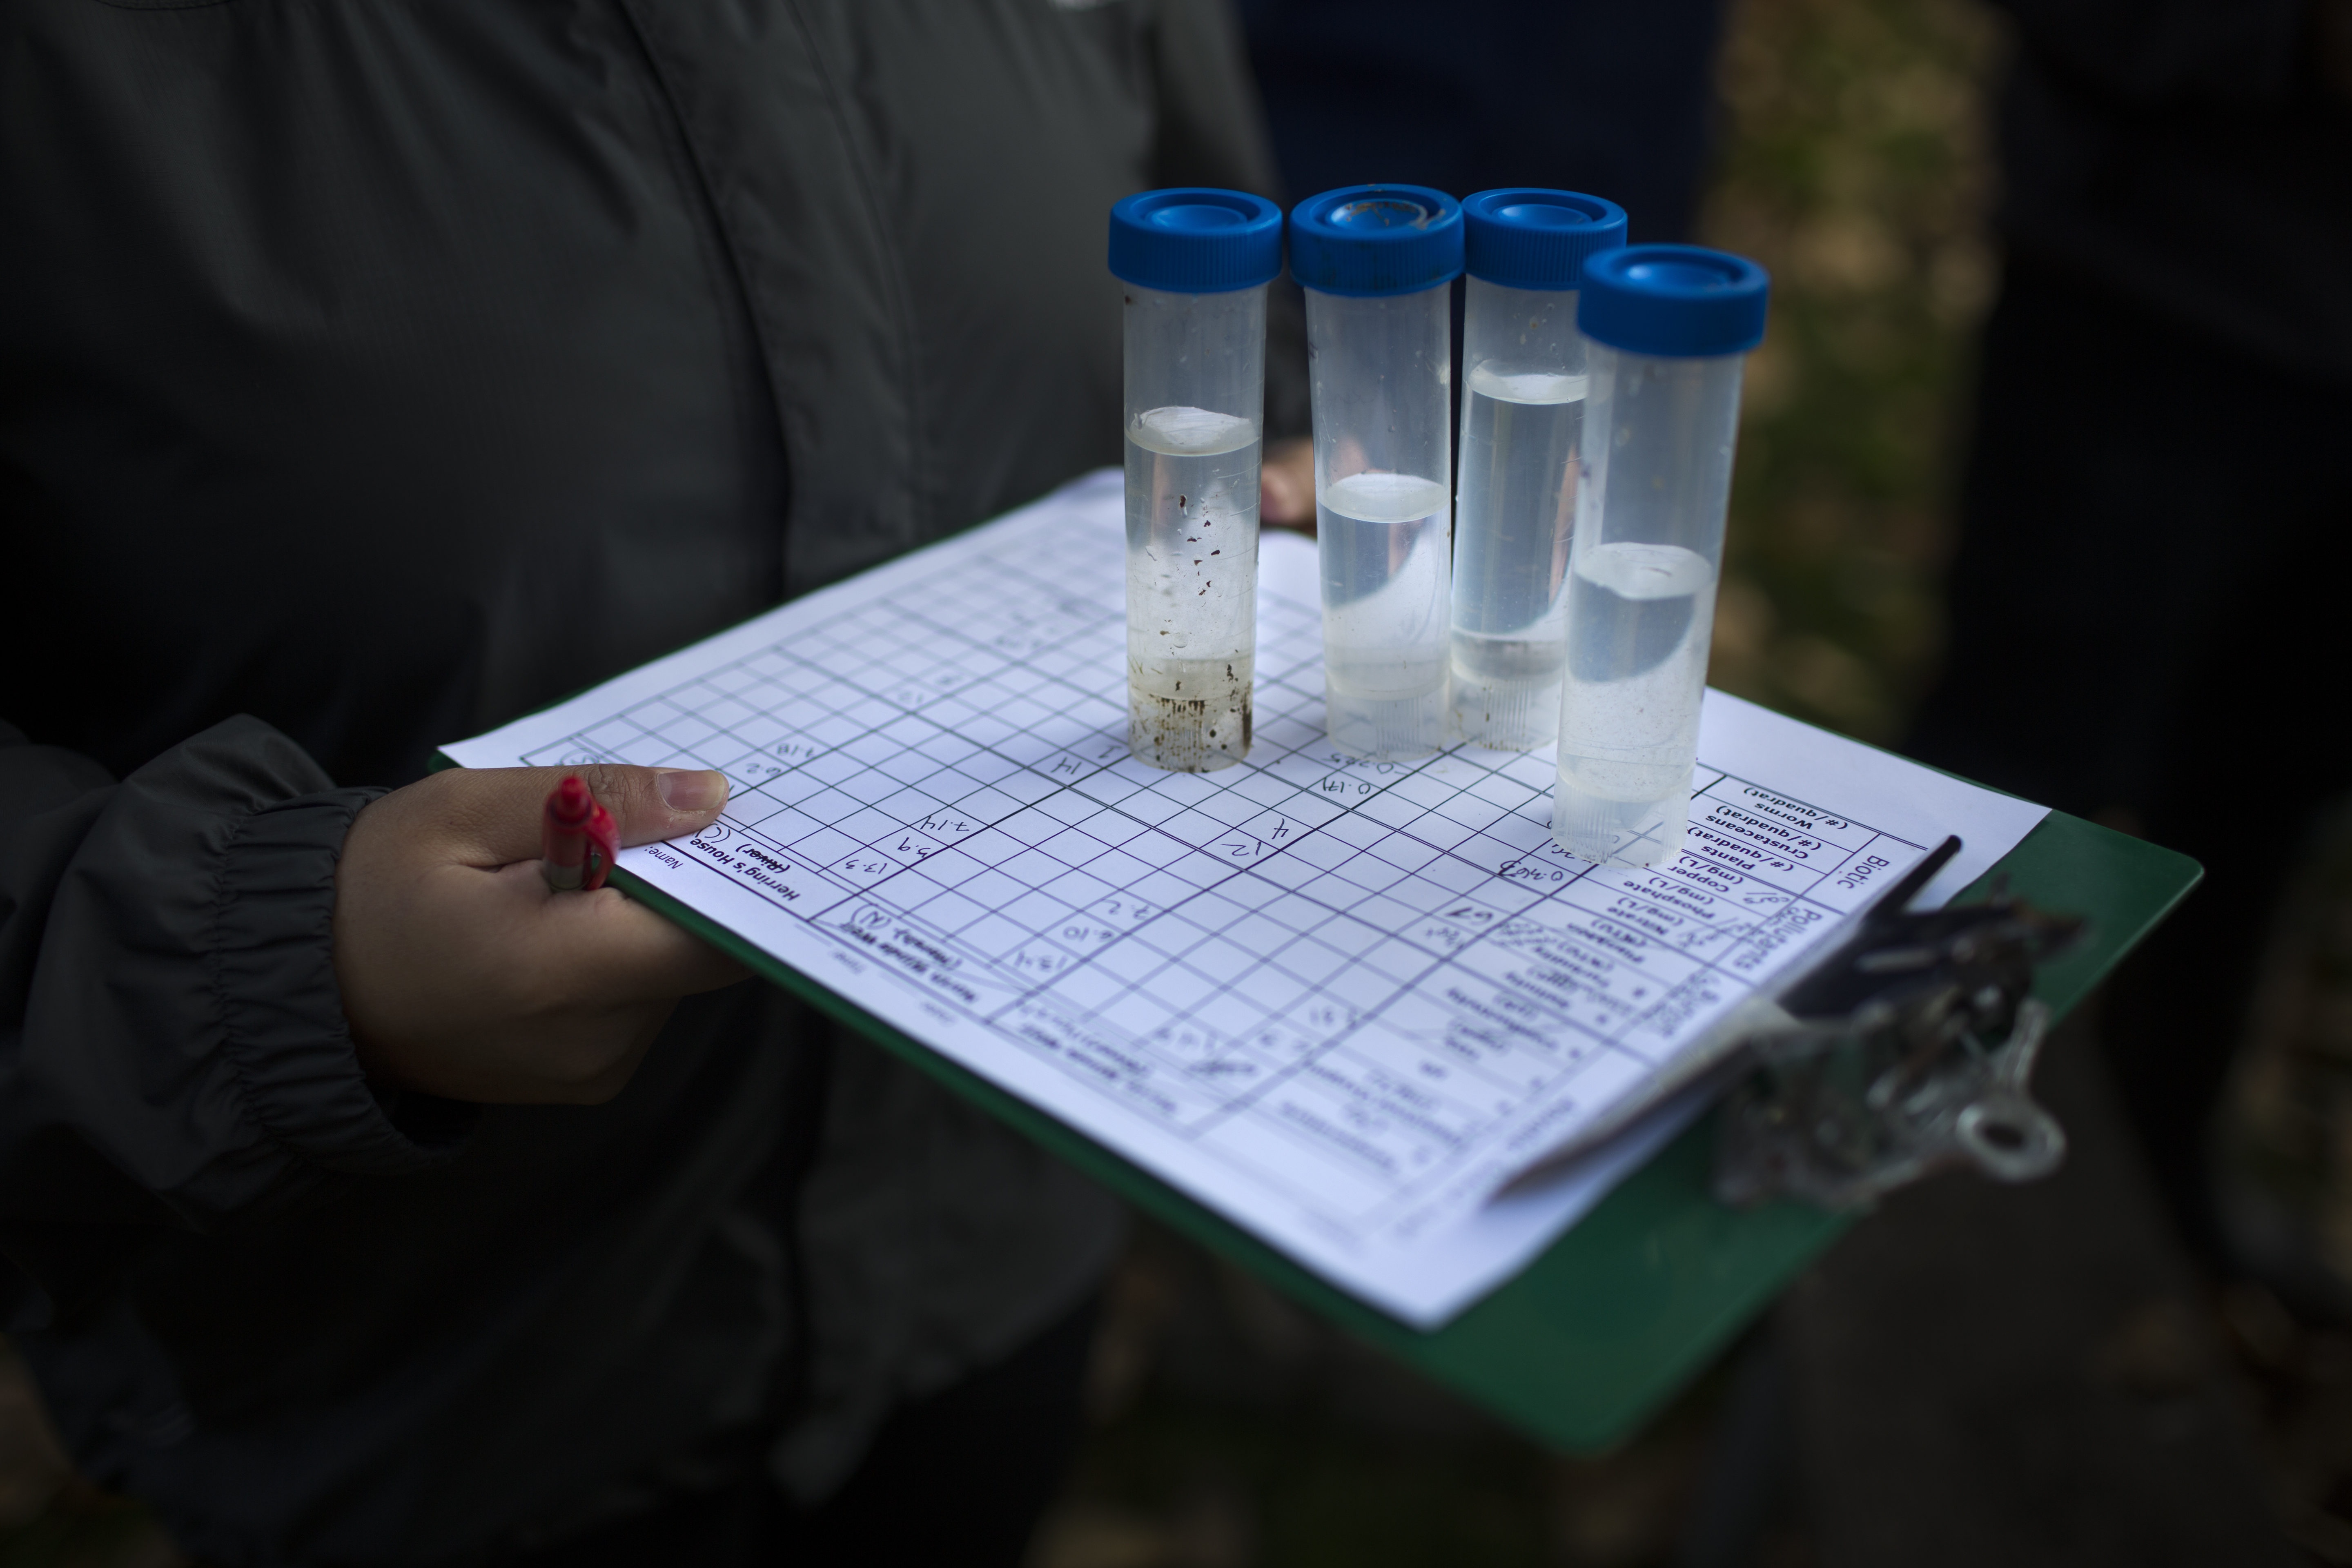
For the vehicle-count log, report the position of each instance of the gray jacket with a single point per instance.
(372, 373)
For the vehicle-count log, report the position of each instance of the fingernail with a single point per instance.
(690, 789)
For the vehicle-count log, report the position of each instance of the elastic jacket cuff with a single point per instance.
(272, 964)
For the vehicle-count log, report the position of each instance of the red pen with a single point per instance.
(577, 839)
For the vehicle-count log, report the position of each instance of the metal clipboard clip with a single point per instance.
(1908, 1048)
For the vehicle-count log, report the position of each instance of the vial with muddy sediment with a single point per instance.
(1195, 264)
(1192, 587)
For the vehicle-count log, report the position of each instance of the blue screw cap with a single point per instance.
(1367, 241)
(1195, 240)
(1526, 237)
(1676, 301)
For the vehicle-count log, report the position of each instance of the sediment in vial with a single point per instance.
(1189, 715)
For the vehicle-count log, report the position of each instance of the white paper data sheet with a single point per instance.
(1338, 1003)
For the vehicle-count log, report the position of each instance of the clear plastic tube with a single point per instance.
(1522, 401)
(1384, 516)
(1648, 547)
(1195, 397)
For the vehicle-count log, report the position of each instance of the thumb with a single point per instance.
(1287, 484)
(491, 817)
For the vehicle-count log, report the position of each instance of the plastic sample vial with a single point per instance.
(1669, 328)
(1195, 264)
(1376, 261)
(1524, 378)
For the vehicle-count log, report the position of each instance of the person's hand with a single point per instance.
(1286, 490)
(464, 976)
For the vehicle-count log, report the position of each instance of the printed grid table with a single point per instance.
(1588, 1329)
(955, 794)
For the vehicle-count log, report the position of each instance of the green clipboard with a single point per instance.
(1637, 1297)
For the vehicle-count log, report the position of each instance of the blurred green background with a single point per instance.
(1228, 1429)
(1856, 166)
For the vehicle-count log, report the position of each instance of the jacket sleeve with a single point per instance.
(1212, 132)
(173, 1050)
